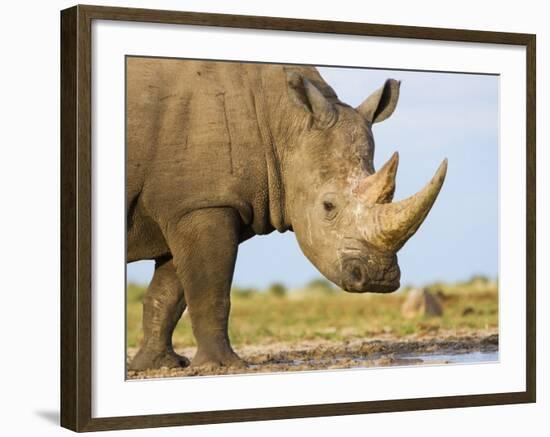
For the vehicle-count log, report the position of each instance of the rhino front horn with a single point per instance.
(390, 225)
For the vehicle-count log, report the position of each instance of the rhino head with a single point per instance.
(339, 207)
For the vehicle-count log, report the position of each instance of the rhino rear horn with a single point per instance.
(380, 186)
(380, 104)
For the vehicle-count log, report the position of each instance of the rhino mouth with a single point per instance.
(374, 274)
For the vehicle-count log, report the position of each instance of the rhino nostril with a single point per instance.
(380, 275)
(356, 274)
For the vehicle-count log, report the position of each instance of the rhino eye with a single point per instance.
(329, 206)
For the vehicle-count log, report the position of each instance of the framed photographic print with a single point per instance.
(268, 218)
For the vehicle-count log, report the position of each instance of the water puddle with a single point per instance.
(391, 360)
(470, 357)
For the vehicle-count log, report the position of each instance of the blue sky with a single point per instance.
(439, 115)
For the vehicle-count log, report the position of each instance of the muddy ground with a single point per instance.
(383, 351)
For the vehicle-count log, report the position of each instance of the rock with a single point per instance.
(420, 302)
(468, 311)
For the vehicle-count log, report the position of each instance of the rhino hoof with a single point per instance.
(205, 362)
(147, 360)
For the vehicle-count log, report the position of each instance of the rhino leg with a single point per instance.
(163, 306)
(204, 245)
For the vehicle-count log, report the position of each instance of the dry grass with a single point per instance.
(319, 312)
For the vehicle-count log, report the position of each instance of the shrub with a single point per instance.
(277, 289)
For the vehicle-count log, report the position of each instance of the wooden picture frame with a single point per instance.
(76, 217)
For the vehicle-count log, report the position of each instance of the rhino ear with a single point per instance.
(380, 104)
(307, 96)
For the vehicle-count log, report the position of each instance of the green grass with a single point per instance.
(320, 312)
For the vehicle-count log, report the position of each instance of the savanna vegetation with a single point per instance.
(319, 311)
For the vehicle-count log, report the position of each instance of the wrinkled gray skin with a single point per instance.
(218, 152)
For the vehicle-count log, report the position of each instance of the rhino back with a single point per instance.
(193, 141)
